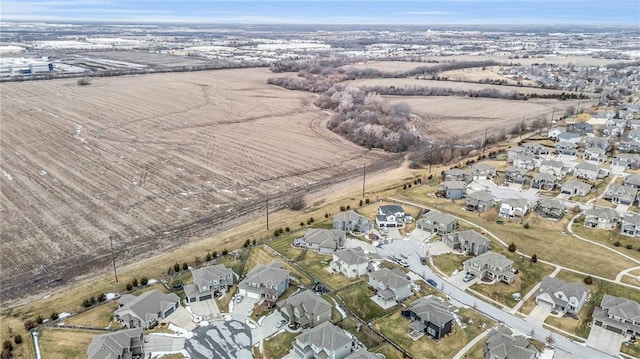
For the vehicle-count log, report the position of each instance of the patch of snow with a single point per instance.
(36, 345)
(6, 174)
(43, 173)
(78, 135)
(152, 281)
(180, 331)
(204, 323)
(46, 296)
(547, 354)
(158, 355)
(196, 318)
(112, 296)
(64, 315)
(251, 325)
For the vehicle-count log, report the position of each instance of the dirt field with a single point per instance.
(157, 159)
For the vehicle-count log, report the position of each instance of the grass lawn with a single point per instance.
(449, 262)
(477, 352)
(317, 264)
(278, 346)
(631, 349)
(284, 244)
(608, 238)
(367, 336)
(395, 327)
(12, 326)
(99, 317)
(388, 351)
(357, 299)
(528, 306)
(64, 343)
(633, 280)
(569, 324)
(543, 237)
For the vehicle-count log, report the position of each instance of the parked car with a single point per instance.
(403, 263)
(239, 298)
(432, 282)
(468, 277)
(423, 261)
(281, 323)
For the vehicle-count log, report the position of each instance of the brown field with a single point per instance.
(389, 65)
(156, 159)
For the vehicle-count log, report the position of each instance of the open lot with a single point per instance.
(155, 160)
(65, 343)
(99, 317)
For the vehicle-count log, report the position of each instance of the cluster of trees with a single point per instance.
(88, 302)
(443, 91)
(308, 83)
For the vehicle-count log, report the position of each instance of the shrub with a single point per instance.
(512, 247)
(54, 316)
(534, 258)
(225, 252)
(629, 246)
(39, 319)
(214, 254)
(617, 244)
(197, 261)
(17, 339)
(86, 303)
(286, 229)
(29, 324)
(185, 266)
(301, 224)
(129, 286)
(348, 207)
(359, 205)
(102, 297)
(280, 230)
(276, 233)
(254, 241)
(311, 219)
(343, 208)
(208, 257)
(588, 280)
(247, 243)
(134, 282)
(297, 203)
(526, 225)
(366, 200)
(144, 280)
(7, 345)
(176, 267)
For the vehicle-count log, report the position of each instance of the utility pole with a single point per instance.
(267, 210)
(484, 144)
(364, 177)
(578, 109)
(113, 257)
(430, 158)
(521, 127)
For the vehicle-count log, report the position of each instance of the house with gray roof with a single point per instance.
(470, 242)
(629, 146)
(632, 181)
(597, 142)
(479, 201)
(457, 174)
(390, 215)
(569, 137)
(589, 171)
(575, 188)
(350, 221)
(555, 131)
(630, 226)
(306, 308)
(526, 162)
(324, 241)
(581, 128)
(502, 344)
(514, 152)
(566, 148)
(391, 285)
(535, 149)
(628, 160)
(601, 217)
(437, 222)
(633, 135)
(207, 281)
(595, 154)
(266, 282)
(492, 266)
(561, 296)
(513, 208)
(483, 170)
(352, 262)
(621, 194)
(515, 175)
(325, 341)
(554, 168)
(146, 309)
(544, 181)
(431, 315)
(363, 353)
(550, 208)
(123, 344)
(453, 189)
(619, 315)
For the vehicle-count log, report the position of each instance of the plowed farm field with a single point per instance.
(152, 161)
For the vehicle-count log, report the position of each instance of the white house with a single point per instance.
(562, 296)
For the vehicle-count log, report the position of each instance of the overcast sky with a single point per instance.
(417, 12)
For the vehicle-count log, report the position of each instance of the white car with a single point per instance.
(468, 277)
(403, 263)
(239, 299)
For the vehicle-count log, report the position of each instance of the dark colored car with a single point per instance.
(432, 282)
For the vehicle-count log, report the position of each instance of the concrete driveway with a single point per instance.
(539, 313)
(418, 235)
(181, 318)
(605, 340)
(394, 233)
(243, 309)
(163, 343)
(436, 248)
(267, 327)
(457, 280)
(207, 309)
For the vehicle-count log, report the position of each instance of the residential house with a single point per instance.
(554, 168)
(431, 315)
(479, 201)
(629, 146)
(350, 221)
(363, 353)
(470, 242)
(437, 222)
(619, 315)
(514, 152)
(491, 266)
(561, 296)
(516, 175)
(525, 161)
(544, 181)
(513, 208)
(207, 281)
(621, 194)
(566, 148)
(569, 137)
(631, 226)
(575, 188)
(123, 344)
(266, 282)
(550, 208)
(600, 217)
(633, 124)
(457, 174)
(628, 160)
(483, 170)
(146, 309)
(352, 262)
(325, 341)
(633, 135)
(535, 149)
(391, 285)
(632, 181)
(325, 241)
(613, 131)
(453, 189)
(597, 142)
(588, 171)
(595, 154)
(581, 127)
(617, 122)
(306, 308)
(390, 216)
(501, 344)
(554, 132)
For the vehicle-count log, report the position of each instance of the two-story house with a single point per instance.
(632, 181)
(526, 162)
(589, 171)
(325, 241)
(514, 152)
(619, 315)
(572, 137)
(566, 148)
(575, 188)
(513, 208)
(266, 282)
(629, 146)
(391, 285)
(351, 262)
(470, 242)
(561, 296)
(596, 142)
(123, 344)
(535, 149)
(501, 344)
(453, 189)
(390, 215)
(554, 168)
(601, 217)
(630, 226)
(491, 266)
(595, 154)
(207, 281)
(431, 315)
(350, 221)
(479, 201)
(515, 175)
(483, 170)
(582, 128)
(621, 194)
(146, 309)
(437, 222)
(544, 181)
(628, 160)
(550, 208)
(306, 309)
(325, 341)
(457, 174)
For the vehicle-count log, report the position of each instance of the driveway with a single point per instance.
(418, 235)
(394, 233)
(539, 313)
(243, 309)
(267, 327)
(207, 309)
(163, 343)
(457, 280)
(436, 248)
(221, 339)
(353, 243)
(181, 318)
(605, 340)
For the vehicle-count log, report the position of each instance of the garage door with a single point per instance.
(168, 312)
(206, 297)
(544, 304)
(615, 330)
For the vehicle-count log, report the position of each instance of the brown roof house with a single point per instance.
(146, 309)
(123, 344)
(266, 282)
(306, 309)
(326, 341)
(492, 266)
(470, 242)
(207, 281)
(561, 296)
(619, 315)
